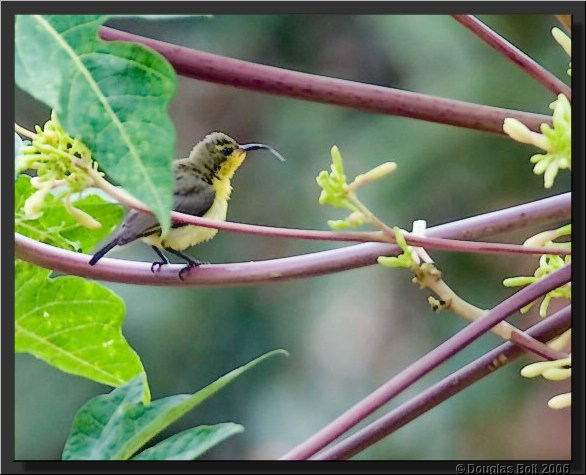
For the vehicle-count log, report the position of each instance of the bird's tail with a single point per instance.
(102, 252)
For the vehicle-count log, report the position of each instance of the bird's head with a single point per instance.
(221, 155)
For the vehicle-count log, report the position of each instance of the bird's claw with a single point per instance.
(159, 264)
(190, 265)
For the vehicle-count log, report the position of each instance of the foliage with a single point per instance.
(116, 425)
(125, 128)
(125, 89)
(74, 325)
(56, 226)
(71, 323)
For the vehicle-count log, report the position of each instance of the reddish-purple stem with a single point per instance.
(315, 235)
(524, 341)
(513, 53)
(545, 330)
(426, 363)
(544, 211)
(367, 97)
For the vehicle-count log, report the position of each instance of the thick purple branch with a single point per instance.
(426, 363)
(544, 331)
(544, 211)
(367, 97)
(513, 53)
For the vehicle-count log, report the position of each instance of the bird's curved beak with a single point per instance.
(260, 146)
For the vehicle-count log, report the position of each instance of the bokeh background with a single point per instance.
(347, 333)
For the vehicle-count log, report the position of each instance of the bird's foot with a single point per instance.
(190, 265)
(158, 264)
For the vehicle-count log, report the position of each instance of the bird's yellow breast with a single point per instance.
(186, 236)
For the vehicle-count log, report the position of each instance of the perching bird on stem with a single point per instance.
(202, 188)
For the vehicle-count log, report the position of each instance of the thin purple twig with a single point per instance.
(513, 53)
(426, 363)
(268, 79)
(545, 330)
(544, 211)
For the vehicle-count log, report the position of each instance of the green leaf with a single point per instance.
(114, 426)
(190, 444)
(57, 227)
(74, 325)
(111, 95)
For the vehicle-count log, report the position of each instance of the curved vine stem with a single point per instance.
(544, 211)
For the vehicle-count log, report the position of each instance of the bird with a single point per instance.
(202, 188)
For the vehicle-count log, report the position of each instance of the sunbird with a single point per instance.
(202, 188)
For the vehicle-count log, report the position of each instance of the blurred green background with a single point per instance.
(347, 333)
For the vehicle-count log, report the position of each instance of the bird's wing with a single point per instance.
(137, 225)
(192, 196)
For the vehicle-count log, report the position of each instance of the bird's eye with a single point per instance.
(227, 151)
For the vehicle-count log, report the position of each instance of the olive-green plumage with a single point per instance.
(202, 188)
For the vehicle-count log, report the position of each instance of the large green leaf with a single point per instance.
(114, 426)
(57, 227)
(111, 95)
(74, 325)
(190, 444)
